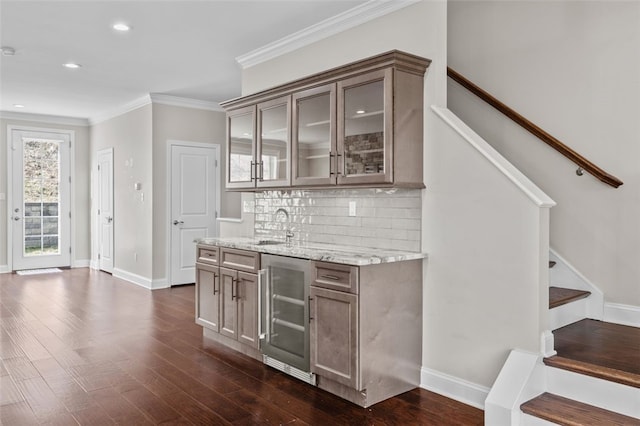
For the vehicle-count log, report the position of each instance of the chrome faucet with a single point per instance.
(288, 234)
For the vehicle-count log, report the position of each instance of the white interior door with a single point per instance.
(105, 210)
(40, 199)
(194, 193)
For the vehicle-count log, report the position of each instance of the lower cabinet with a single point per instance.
(208, 296)
(334, 336)
(227, 293)
(366, 329)
(239, 306)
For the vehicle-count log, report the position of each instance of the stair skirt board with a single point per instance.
(529, 420)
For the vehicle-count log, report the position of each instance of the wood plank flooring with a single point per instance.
(82, 347)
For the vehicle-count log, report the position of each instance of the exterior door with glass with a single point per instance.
(40, 199)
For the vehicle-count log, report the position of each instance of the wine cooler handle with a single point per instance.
(262, 275)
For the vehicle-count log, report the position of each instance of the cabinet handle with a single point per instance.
(338, 162)
(331, 160)
(233, 286)
(214, 284)
(330, 277)
(261, 178)
(309, 301)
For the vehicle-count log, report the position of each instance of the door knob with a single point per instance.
(178, 222)
(109, 219)
(16, 218)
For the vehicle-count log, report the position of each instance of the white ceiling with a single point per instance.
(179, 48)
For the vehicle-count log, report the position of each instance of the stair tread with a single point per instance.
(568, 412)
(559, 296)
(599, 349)
(594, 370)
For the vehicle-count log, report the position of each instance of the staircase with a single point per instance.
(595, 377)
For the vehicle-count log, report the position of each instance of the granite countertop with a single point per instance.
(348, 255)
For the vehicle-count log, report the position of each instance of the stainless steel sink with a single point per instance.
(269, 242)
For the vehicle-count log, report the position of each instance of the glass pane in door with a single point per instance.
(274, 142)
(41, 196)
(314, 136)
(364, 129)
(240, 147)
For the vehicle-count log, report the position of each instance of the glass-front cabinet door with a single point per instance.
(273, 156)
(241, 148)
(314, 136)
(365, 137)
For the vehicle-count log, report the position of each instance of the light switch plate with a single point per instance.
(352, 208)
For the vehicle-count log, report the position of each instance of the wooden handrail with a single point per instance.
(545, 137)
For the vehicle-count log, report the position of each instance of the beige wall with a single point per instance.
(81, 238)
(572, 68)
(190, 125)
(130, 135)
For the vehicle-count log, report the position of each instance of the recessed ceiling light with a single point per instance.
(72, 65)
(7, 51)
(360, 111)
(18, 105)
(121, 26)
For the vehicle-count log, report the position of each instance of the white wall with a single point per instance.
(130, 135)
(183, 124)
(81, 238)
(573, 68)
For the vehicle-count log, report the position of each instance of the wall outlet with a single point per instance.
(352, 208)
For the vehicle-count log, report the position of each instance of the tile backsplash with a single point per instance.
(384, 218)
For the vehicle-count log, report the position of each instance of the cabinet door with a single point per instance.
(274, 148)
(365, 128)
(241, 148)
(314, 136)
(208, 296)
(228, 305)
(334, 336)
(247, 301)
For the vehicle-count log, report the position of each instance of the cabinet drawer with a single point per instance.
(241, 260)
(335, 276)
(208, 254)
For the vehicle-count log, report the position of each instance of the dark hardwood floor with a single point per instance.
(82, 347)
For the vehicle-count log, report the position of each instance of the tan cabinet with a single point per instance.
(334, 336)
(208, 296)
(239, 306)
(259, 145)
(356, 125)
(366, 329)
(227, 293)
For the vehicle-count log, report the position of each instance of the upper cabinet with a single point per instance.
(356, 125)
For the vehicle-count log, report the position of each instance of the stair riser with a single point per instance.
(527, 420)
(568, 314)
(597, 392)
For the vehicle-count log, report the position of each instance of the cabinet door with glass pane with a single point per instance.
(314, 136)
(241, 148)
(365, 128)
(273, 155)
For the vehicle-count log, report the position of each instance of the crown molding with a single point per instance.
(44, 118)
(123, 109)
(351, 18)
(159, 98)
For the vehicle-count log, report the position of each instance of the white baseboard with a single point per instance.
(80, 263)
(453, 387)
(160, 283)
(4, 269)
(133, 278)
(622, 314)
